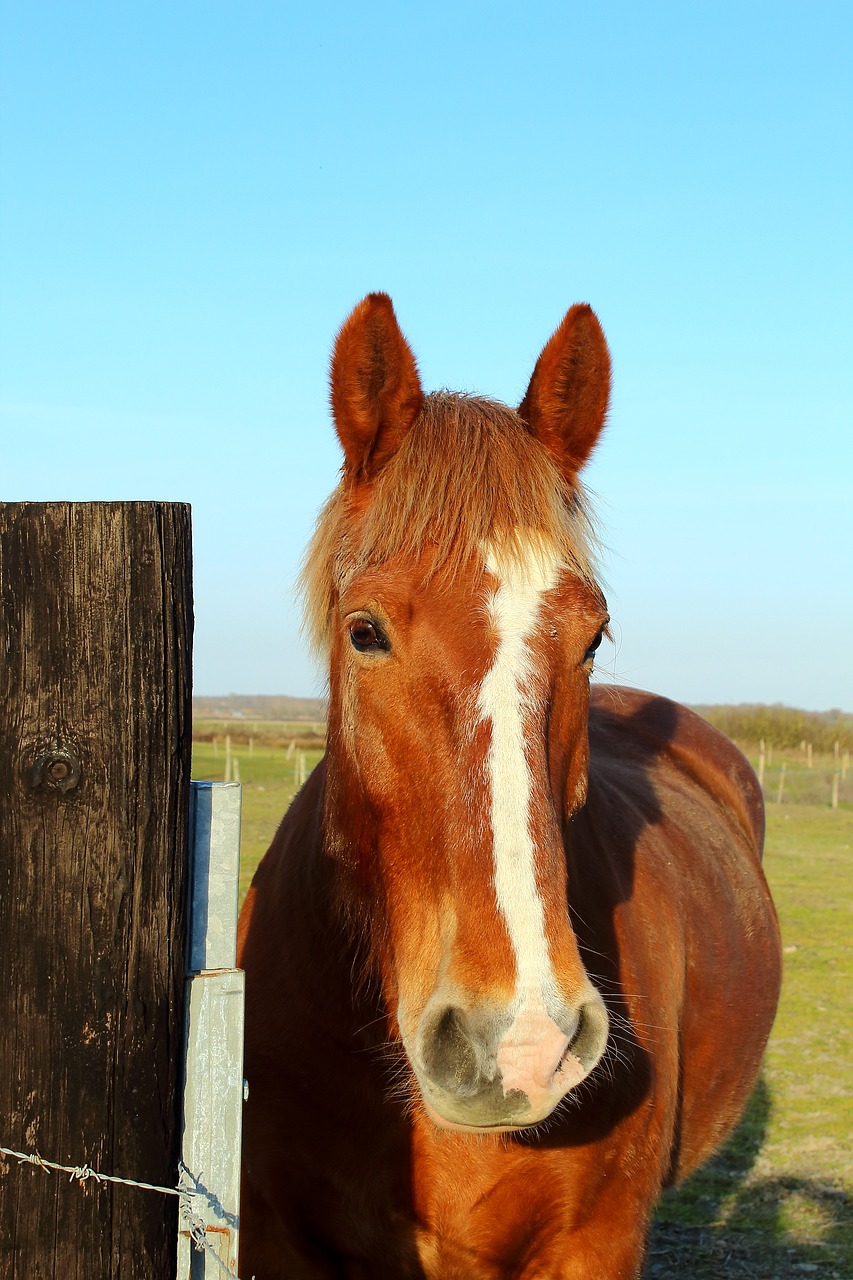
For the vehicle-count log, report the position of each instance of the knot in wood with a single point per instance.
(56, 769)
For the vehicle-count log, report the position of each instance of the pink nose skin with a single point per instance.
(532, 1058)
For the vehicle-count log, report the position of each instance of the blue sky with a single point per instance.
(193, 196)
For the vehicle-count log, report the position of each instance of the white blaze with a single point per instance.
(514, 609)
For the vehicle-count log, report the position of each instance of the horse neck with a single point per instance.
(318, 954)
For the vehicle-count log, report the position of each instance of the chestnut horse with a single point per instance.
(511, 959)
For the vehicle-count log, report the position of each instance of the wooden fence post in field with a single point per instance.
(809, 761)
(95, 739)
(762, 756)
(781, 791)
(835, 778)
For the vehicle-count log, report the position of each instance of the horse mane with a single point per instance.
(467, 474)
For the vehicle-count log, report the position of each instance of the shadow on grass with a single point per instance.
(726, 1223)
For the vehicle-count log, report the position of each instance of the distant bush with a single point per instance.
(782, 727)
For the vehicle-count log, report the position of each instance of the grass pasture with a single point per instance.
(777, 1202)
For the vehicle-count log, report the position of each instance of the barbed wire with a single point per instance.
(188, 1191)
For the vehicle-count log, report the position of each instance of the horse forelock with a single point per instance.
(467, 476)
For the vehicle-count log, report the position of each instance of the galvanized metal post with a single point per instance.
(213, 1086)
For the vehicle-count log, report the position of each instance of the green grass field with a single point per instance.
(777, 1202)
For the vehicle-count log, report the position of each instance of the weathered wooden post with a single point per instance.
(95, 740)
(781, 791)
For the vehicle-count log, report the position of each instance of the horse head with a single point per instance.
(451, 582)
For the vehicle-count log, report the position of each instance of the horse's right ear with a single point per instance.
(375, 388)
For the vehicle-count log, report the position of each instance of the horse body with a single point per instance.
(511, 959)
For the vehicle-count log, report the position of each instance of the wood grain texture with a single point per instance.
(95, 679)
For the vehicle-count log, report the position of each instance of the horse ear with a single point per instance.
(375, 388)
(566, 402)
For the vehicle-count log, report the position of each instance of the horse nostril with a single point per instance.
(587, 1044)
(449, 1055)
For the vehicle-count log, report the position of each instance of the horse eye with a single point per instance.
(590, 653)
(365, 637)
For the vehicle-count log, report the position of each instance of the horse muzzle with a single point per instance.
(483, 1069)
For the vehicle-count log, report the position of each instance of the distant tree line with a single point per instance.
(782, 727)
(259, 707)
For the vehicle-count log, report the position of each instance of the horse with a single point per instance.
(511, 959)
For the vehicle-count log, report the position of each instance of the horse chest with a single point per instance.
(487, 1211)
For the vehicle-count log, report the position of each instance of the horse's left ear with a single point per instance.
(376, 390)
(566, 402)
